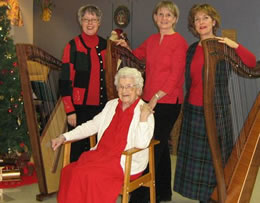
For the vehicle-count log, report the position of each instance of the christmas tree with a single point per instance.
(13, 129)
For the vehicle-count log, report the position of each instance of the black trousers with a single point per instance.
(165, 116)
(83, 115)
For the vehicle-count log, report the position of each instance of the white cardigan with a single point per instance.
(139, 134)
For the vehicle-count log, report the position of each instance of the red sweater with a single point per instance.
(165, 66)
(196, 90)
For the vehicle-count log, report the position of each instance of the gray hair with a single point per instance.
(128, 72)
(89, 8)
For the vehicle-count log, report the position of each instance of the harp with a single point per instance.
(236, 176)
(116, 58)
(45, 115)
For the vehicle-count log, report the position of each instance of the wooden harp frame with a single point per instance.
(228, 190)
(48, 179)
(116, 58)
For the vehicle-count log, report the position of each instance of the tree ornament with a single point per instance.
(20, 99)
(10, 110)
(4, 71)
(19, 122)
(12, 71)
(8, 56)
(1, 28)
(2, 97)
(12, 99)
(9, 150)
(14, 64)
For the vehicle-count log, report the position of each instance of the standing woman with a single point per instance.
(82, 81)
(195, 176)
(164, 54)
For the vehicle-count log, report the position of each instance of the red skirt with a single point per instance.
(91, 180)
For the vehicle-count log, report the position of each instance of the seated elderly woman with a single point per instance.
(124, 123)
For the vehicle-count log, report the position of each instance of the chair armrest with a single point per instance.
(128, 152)
(92, 141)
(135, 150)
(143, 179)
(69, 142)
(67, 148)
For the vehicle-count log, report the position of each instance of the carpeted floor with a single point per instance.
(27, 194)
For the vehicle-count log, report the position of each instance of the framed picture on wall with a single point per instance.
(122, 16)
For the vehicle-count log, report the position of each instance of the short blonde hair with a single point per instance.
(173, 8)
(128, 72)
(89, 8)
(207, 9)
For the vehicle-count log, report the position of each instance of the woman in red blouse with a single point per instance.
(164, 53)
(194, 175)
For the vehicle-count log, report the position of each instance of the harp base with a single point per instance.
(41, 197)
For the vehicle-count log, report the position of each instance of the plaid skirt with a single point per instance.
(195, 175)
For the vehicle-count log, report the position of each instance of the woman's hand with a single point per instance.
(72, 119)
(55, 143)
(228, 42)
(145, 112)
(123, 43)
(152, 103)
(155, 98)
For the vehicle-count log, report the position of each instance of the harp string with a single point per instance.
(44, 92)
(46, 95)
(126, 58)
(39, 77)
(242, 93)
(237, 110)
(225, 134)
(241, 100)
(238, 99)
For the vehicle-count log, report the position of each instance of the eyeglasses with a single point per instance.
(93, 20)
(128, 87)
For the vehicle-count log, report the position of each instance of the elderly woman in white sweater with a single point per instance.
(124, 123)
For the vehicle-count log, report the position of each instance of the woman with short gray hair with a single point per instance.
(130, 73)
(82, 80)
(92, 9)
(125, 122)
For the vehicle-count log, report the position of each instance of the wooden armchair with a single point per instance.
(147, 180)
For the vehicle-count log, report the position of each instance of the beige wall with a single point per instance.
(24, 34)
